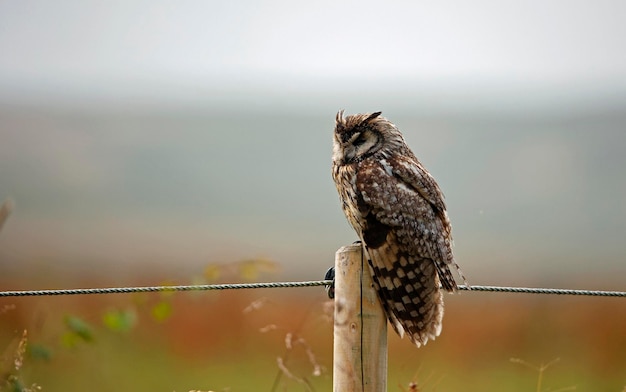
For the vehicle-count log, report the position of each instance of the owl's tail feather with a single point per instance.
(409, 292)
(445, 265)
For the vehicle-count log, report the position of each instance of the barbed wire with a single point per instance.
(270, 285)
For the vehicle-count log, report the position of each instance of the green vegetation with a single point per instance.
(279, 340)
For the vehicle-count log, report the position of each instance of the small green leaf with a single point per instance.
(167, 294)
(39, 351)
(212, 272)
(162, 311)
(15, 384)
(69, 339)
(120, 320)
(251, 269)
(78, 330)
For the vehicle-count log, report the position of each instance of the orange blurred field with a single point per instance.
(231, 340)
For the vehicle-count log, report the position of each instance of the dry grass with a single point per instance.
(231, 341)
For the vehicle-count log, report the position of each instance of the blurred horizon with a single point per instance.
(533, 197)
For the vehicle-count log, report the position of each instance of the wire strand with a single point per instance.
(150, 289)
(270, 285)
(536, 290)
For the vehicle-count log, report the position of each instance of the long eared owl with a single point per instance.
(398, 211)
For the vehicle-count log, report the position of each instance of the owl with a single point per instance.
(398, 211)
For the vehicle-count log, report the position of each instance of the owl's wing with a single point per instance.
(408, 289)
(401, 198)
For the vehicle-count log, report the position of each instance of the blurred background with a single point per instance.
(143, 141)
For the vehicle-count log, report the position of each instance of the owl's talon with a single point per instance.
(330, 288)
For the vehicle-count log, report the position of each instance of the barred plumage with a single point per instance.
(398, 211)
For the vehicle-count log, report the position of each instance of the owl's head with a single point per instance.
(362, 135)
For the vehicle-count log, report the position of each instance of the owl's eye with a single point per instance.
(360, 139)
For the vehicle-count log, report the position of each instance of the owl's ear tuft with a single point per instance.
(339, 118)
(373, 116)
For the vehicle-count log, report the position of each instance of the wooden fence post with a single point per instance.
(360, 331)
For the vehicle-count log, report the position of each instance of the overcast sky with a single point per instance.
(122, 47)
